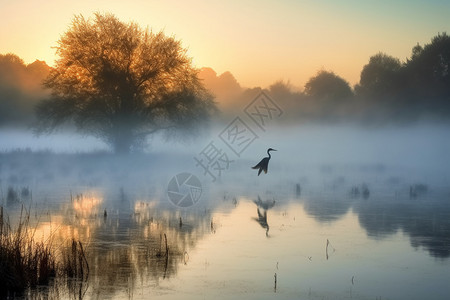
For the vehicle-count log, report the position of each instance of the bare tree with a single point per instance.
(121, 83)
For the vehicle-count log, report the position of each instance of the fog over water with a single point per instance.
(421, 151)
(367, 205)
(414, 145)
(188, 185)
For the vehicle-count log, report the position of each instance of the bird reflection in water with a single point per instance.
(262, 216)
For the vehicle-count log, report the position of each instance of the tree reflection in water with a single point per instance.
(425, 219)
(126, 248)
(130, 250)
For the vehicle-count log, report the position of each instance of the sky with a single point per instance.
(259, 42)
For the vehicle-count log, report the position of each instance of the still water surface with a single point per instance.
(302, 236)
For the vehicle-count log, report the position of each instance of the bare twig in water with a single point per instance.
(167, 247)
(213, 229)
(160, 253)
(275, 286)
(167, 257)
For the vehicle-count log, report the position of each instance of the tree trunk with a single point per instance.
(122, 141)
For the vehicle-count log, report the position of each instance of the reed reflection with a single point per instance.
(124, 249)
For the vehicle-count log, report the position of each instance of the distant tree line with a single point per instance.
(388, 91)
(20, 90)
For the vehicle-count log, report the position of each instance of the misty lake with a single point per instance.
(343, 213)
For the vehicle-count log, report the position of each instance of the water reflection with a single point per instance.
(124, 248)
(262, 216)
(140, 248)
(425, 218)
(135, 240)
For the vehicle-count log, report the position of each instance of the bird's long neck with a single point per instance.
(268, 152)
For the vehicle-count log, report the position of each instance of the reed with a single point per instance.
(26, 263)
(74, 262)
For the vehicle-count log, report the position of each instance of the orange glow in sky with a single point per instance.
(259, 42)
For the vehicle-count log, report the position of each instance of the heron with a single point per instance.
(264, 163)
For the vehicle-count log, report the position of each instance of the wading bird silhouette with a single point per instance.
(264, 163)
